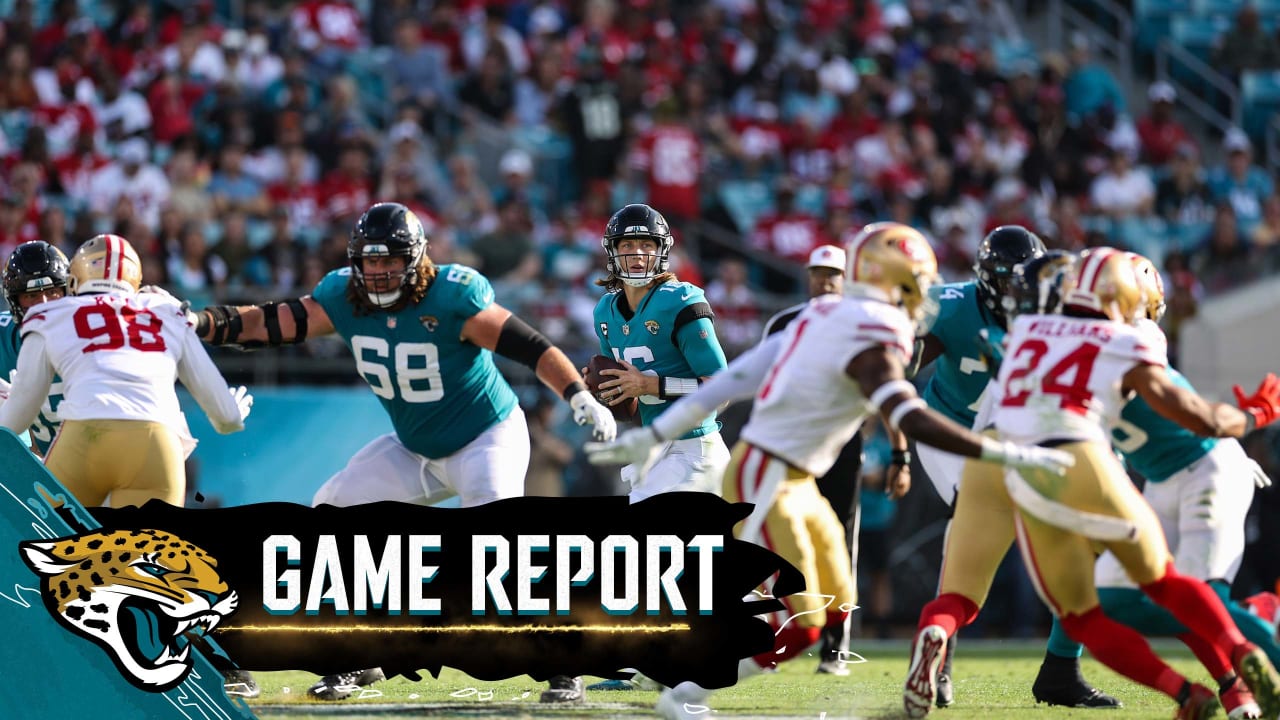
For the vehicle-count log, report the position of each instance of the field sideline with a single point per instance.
(993, 682)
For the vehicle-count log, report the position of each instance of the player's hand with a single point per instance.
(184, 306)
(897, 481)
(636, 446)
(1263, 405)
(1260, 478)
(629, 382)
(588, 411)
(244, 400)
(1027, 457)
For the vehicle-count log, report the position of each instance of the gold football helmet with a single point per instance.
(1152, 285)
(105, 263)
(1108, 285)
(895, 259)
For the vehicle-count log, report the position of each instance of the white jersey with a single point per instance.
(1061, 377)
(118, 357)
(808, 407)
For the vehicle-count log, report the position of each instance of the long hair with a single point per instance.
(412, 296)
(613, 283)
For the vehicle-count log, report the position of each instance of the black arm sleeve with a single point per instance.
(688, 314)
(522, 343)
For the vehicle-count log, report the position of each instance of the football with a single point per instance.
(623, 412)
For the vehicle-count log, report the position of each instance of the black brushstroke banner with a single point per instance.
(706, 651)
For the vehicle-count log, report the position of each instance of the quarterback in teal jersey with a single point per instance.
(970, 317)
(1199, 487)
(423, 337)
(661, 330)
(36, 272)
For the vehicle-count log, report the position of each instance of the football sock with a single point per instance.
(1060, 644)
(1122, 649)
(1197, 607)
(951, 611)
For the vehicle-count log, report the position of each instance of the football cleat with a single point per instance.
(564, 689)
(946, 694)
(685, 701)
(1239, 702)
(927, 651)
(1200, 705)
(1260, 676)
(332, 688)
(240, 683)
(833, 666)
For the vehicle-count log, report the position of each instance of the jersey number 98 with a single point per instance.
(416, 365)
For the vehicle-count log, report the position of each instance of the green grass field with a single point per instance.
(993, 682)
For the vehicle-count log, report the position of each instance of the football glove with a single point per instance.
(1263, 405)
(1027, 457)
(636, 446)
(244, 400)
(588, 411)
(1260, 479)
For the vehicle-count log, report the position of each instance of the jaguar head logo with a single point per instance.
(139, 594)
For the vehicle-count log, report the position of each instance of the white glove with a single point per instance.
(588, 411)
(633, 447)
(1027, 457)
(1260, 479)
(244, 400)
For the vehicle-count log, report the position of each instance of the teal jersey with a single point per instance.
(961, 372)
(1153, 445)
(671, 334)
(47, 422)
(441, 392)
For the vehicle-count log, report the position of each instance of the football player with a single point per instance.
(123, 436)
(1063, 384)
(1199, 487)
(423, 337)
(841, 359)
(662, 332)
(842, 484)
(954, 346)
(35, 273)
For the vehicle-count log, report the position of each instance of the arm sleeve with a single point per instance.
(738, 381)
(198, 373)
(700, 347)
(35, 374)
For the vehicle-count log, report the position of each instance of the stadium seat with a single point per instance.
(1260, 95)
(1207, 8)
(1199, 34)
(1012, 55)
(1152, 21)
(746, 201)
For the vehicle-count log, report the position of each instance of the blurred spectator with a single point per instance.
(256, 68)
(593, 118)
(1123, 190)
(419, 71)
(1240, 182)
(1089, 85)
(1223, 260)
(233, 249)
(469, 208)
(1006, 149)
(17, 90)
(942, 207)
(536, 95)
(1246, 45)
(517, 182)
(1182, 197)
(490, 90)
(53, 230)
(509, 247)
(671, 156)
(326, 28)
(1160, 132)
(171, 101)
(195, 273)
(76, 169)
(123, 112)
(188, 183)
(481, 41)
(195, 56)
(278, 264)
(130, 176)
(14, 228)
(738, 322)
(345, 120)
(549, 453)
(231, 188)
(786, 232)
(296, 193)
(1266, 234)
(345, 192)
(1008, 206)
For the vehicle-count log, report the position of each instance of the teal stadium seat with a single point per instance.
(1012, 55)
(1153, 20)
(1260, 95)
(368, 67)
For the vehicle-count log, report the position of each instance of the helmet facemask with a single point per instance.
(655, 264)
(387, 230)
(391, 292)
(34, 267)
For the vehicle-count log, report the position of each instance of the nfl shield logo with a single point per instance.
(429, 322)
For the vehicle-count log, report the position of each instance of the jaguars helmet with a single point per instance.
(637, 221)
(32, 267)
(999, 252)
(1039, 285)
(1152, 285)
(895, 259)
(1107, 286)
(105, 264)
(387, 230)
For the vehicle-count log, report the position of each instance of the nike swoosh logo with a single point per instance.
(686, 296)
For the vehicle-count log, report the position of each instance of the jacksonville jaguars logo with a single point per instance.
(430, 322)
(651, 326)
(139, 594)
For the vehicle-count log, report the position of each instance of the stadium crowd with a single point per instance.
(235, 153)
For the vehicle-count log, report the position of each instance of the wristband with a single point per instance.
(1250, 422)
(900, 457)
(672, 387)
(572, 389)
